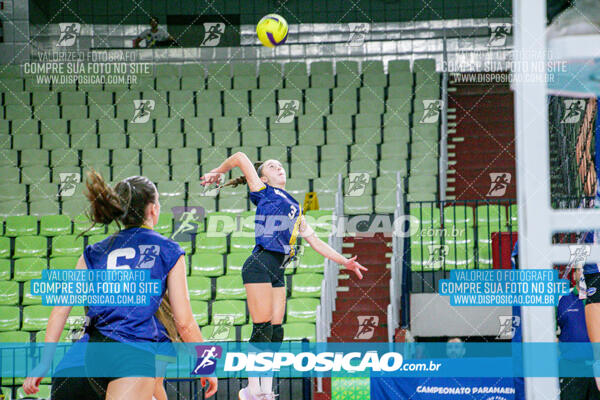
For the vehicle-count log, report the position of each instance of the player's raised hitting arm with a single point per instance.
(327, 251)
(241, 161)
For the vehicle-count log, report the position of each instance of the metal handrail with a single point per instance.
(396, 264)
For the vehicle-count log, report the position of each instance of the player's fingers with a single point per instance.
(363, 268)
(212, 389)
(203, 382)
(351, 259)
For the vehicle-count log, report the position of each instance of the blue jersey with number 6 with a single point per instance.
(133, 248)
(277, 220)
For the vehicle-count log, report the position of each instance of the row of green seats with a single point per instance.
(499, 214)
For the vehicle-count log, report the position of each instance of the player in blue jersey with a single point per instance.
(134, 204)
(279, 221)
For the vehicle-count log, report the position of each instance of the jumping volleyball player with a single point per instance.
(133, 203)
(278, 222)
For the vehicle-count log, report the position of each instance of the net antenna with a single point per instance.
(538, 220)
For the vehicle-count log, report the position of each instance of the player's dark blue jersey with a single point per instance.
(277, 220)
(133, 248)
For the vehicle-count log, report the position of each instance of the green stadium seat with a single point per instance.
(302, 310)
(75, 206)
(213, 243)
(158, 172)
(157, 156)
(298, 331)
(43, 393)
(298, 82)
(357, 205)
(54, 225)
(121, 172)
(255, 138)
(304, 169)
(10, 174)
(29, 268)
(81, 224)
(30, 246)
(330, 168)
(235, 262)
(322, 81)
(513, 217)
(344, 107)
(230, 287)
(164, 225)
(427, 214)
(242, 242)
(67, 245)
(14, 208)
(311, 261)
(26, 225)
(34, 157)
(363, 165)
(14, 337)
(28, 298)
(4, 268)
(64, 157)
(245, 82)
(306, 285)
(9, 318)
(68, 262)
(421, 259)
(9, 293)
(93, 239)
(334, 152)
(235, 308)
(221, 222)
(199, 288)
(358, 151)
(491, 217)
(4, 247)
(25, 141)
(207, 264)
(459, 215)
(35, 318)
(192, 83)
(218, 333)
(8, 157)
(246, 332)
(385, 203)
(200, 311)
(459, 257)
(270, 82)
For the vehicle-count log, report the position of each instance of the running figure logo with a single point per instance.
(437, 255)
(508, 326)
(148, 254)
(499, 34)
(431, 111)
(223, 323)
(142, 110)
(213, 31)
(207, 359)
(500, 182)
(366, 326)
(358, 33)
(68, 183)
(579, 255)
(187, 220)
(357, 183)
(68, 34)
(287, 111)
(574, 109)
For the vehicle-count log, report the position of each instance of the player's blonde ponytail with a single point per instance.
(165, 316)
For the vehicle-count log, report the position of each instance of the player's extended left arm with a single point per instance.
(327, 251)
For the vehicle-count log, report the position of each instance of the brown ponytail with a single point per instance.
(125, 203)
(165, 316)
(241, 180)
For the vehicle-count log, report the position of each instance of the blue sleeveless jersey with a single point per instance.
(132, 248)
(277, 219)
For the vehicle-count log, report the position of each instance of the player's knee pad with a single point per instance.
(261, 332)
(277, 337)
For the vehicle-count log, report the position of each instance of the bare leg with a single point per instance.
(260, 305)
(266, 382)
(128, 388)
(159, 389)
(592, 319)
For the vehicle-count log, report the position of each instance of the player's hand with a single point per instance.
(32, 384)
(213, 385)
(209, 178)
(353, 265)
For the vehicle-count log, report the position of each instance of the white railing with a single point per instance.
(393, 310)
(330, 277)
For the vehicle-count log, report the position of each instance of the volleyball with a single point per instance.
(272, 30)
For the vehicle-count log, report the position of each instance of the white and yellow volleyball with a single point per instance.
(272, 30)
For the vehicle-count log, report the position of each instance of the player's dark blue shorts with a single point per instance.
(265, 266)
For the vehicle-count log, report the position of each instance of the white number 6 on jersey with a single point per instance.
(111, 261)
